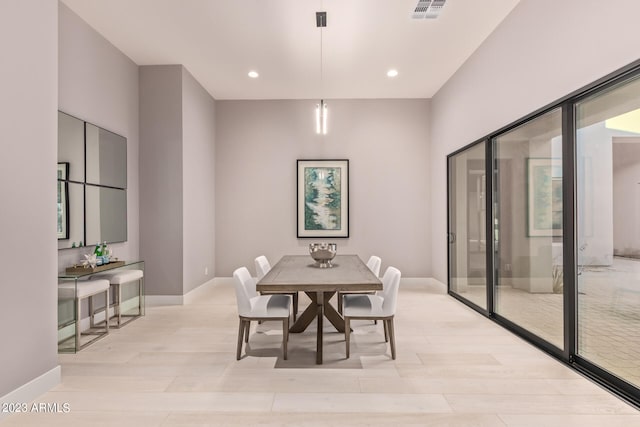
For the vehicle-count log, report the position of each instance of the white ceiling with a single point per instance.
(219, 41)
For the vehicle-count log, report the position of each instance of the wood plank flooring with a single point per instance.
(177, 367)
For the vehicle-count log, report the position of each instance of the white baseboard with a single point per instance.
(188, 298)
(31, 390)
(193, 295)
(160, 300)
(420, 281)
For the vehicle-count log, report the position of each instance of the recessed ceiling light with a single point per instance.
(392, 73)
(253, 74)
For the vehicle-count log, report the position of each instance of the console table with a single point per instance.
(70, 323)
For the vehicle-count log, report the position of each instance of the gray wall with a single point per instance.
(29, 87)
(519, 68)
(198, 182)
(99, 84)
(177, 180)
(161, 178)
(387, 144)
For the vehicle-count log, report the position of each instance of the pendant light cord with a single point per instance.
(321, 56)
(321, 108)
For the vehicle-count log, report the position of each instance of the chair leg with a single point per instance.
(285, 336)
(386, 331)
(340, 302)
(295, 306)
(240, 334)
(247, 325)
(392, 338)
(347, 334)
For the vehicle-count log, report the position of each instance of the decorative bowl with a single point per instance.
(323, 253)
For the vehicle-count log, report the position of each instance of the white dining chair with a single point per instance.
(258, 307)
(374, 264)
(380, 306)
(262, 268)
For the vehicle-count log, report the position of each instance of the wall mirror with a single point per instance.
(106, 157)
(71, 146)
(92, 178)
(70, 214)
(106, 214)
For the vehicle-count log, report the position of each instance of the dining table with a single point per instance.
(300, 273)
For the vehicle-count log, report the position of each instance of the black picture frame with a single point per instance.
(63, 201)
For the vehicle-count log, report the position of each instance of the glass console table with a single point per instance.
(130, 305)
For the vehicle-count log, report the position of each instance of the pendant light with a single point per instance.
(321, 108)
(321, 117)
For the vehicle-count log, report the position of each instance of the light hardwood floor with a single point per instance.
(177, 367)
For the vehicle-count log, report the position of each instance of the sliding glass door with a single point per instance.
(544, 229)
(528, 226)
(608, 229)
(467, 224)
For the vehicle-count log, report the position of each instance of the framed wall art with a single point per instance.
(544, 197)
(323, 198)
(63, 201)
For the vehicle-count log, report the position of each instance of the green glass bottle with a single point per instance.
(105, 253)
(98, 254)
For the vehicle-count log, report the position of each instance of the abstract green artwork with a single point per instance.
(323, 202)
(322, 198)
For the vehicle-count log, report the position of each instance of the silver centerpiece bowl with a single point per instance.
(323, 253)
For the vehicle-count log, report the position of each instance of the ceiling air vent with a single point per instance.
(428, 9)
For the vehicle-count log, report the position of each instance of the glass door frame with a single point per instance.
(603, 377)
(568, 223)
(488, 228)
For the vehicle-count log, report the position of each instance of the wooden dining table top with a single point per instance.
(300, 273)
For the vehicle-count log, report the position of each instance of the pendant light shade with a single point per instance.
(324, 112)
(318, 120)
(321, 118)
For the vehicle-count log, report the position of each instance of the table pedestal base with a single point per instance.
(319, 308)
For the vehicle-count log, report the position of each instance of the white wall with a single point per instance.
(542, 51)
(198, 182)
(28, 296)
(99, 84)
(594, 193)
(387, 144)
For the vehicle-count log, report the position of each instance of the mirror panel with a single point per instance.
(71, 145)
(106, 215)
(70, 214)
(90, 214)
(106, 157)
